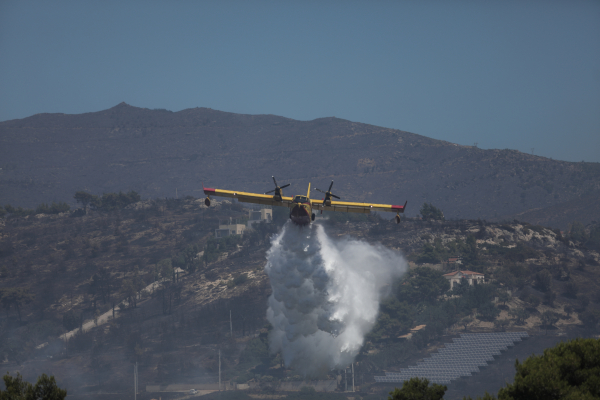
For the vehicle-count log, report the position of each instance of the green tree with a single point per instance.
(54, 208)
(466, 321)
(430, 212)
(16, 297)
(115, 201)
(394, 318)
(422, 284)
(520, 314)
(549, 298)
(70, 320)
(534, 300)
(470, 254)
(165, 267)
(85, 199)
(503, 297)
(19, 211)
(577, 233)
(488, 311)
(132, 287)
(571, 290)
(461, 287)
(486, 396)
(100, 285)
(188, 258)
(568, 310)
(501, 324)
(593, 241)
(544, 280)
(102, 280)
(432, 253)
(549, 318)
(44, 389)
(569, 370)
(418, 389)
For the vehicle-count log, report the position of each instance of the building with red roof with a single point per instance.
(472, 277)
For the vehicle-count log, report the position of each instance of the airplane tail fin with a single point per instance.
(308, 193)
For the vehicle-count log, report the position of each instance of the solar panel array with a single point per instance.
(463, 357)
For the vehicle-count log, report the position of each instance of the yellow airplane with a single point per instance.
(301, 207)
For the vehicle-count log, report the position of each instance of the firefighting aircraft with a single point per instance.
(301, 207)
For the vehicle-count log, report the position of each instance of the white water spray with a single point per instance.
(326, 295)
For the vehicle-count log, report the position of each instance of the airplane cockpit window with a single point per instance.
(300, 199)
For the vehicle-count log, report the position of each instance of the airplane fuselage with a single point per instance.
(301, 211)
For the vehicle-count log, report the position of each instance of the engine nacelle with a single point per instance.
(207, 202)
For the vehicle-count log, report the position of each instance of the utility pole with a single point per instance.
(346, 378)
(219, 370)
(532, 150)
(230, 325)
(135, 380)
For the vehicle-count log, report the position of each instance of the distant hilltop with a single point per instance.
(48, 157)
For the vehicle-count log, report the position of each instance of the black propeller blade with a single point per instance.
(328, 194)
(278, 188)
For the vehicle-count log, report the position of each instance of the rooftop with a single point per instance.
(463, 272)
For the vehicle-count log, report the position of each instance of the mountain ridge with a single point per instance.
(47, 157)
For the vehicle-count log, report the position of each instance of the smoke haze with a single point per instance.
(326, 295)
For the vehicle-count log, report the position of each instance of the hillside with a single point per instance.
(584, 208)
(71, 268)
(47, 157)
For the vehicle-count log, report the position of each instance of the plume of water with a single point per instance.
(326, 294)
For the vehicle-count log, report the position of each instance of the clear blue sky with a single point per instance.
(505, 74)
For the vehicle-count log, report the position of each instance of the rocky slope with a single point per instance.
(78, 267)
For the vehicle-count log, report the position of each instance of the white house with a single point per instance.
(256, 216)
(472, 277)
(229, 227)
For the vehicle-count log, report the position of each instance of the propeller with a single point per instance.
(278, 188)
(328, 194)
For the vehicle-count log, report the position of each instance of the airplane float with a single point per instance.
(301, 207)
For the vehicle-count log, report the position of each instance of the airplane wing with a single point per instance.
(364, 208)
(246, 197)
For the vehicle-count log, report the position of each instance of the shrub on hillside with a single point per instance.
(430, 212)
(418, 389)
(543, 280)
(108, 201)
(54, 208)
(422, 284)
(577, 233)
